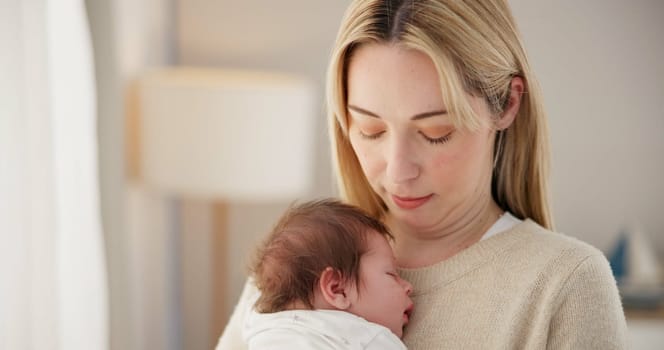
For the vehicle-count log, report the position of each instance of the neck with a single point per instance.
(416, 247)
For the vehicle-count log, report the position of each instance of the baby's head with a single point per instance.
(329, 255)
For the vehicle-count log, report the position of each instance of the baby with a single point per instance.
(328, 280)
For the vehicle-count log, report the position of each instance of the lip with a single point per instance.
(407, 313)
(410, 202)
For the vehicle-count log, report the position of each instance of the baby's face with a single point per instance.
(383, 296)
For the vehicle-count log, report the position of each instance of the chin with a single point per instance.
(417, 219)
(398, 334)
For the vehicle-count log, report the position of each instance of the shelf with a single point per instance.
(645, 314)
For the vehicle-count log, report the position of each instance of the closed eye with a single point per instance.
(436, 140)
(372, 136)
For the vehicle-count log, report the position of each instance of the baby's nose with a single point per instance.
(408, 287)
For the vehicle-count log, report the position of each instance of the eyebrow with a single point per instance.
(415, 117)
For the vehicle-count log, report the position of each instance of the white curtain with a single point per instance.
(53, 286)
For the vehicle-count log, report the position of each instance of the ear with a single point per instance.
(513, 104)
(334, 289)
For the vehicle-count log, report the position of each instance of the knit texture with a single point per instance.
(525, 288)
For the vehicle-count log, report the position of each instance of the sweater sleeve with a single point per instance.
(231, 338)
(589, 313)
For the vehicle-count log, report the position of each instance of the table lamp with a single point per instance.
(224, 135)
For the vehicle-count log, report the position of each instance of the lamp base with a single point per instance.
(204, 272)
(220, 274)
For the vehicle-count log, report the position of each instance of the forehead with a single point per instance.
(387, 78)
(377, 247)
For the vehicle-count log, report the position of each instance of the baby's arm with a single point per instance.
(231, 338)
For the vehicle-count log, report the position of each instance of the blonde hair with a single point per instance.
(476, 49)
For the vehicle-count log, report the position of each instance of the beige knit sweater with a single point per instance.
(526, 288)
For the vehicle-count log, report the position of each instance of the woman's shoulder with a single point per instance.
(562, 250)
(545, 240)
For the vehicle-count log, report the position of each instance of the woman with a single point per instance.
(439, 131)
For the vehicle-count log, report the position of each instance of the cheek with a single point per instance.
(461, 164)
(369, 157)
(444, 160)
(447, 165)
(477, 154)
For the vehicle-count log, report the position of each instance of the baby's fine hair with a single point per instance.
(307, 239)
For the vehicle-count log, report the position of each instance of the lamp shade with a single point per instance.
(230, 134)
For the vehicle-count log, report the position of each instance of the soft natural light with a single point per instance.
(54, 289)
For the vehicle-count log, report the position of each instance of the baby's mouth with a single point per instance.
(407, 313)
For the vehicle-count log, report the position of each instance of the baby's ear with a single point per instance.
(335, 289)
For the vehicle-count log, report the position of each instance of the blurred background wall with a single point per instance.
(600, 67)
(600, 64)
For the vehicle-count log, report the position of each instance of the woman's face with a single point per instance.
(429, 174)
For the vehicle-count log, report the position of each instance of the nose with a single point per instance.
(407, 286)
(401, 166)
